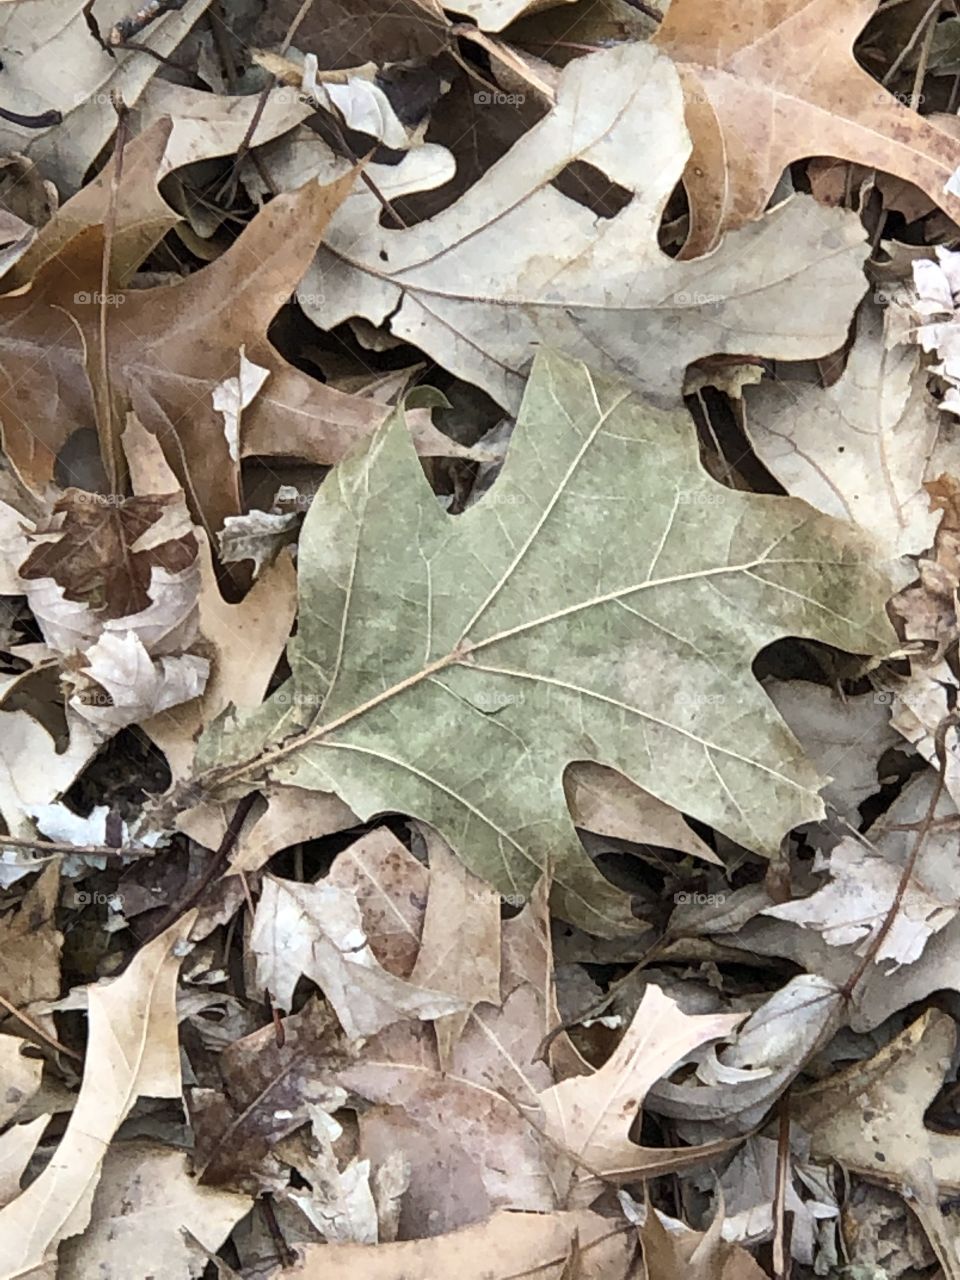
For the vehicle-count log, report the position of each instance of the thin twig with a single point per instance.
(911, 43)
(940, 736)
(214, 868)
(781, 1251)
(39, 1031)
(83, 850)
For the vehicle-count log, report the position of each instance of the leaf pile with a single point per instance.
(479, 748)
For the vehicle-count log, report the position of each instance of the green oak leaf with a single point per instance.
(603, 601)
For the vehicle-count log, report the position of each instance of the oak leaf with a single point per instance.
(513, 263)
(451, 668)
(778, 82)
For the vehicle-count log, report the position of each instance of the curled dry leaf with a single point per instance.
(735, 1086)
(474, 287)
(780, 83)
(531, 633)
(865, 875)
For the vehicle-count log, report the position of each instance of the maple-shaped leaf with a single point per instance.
(772, 82)
(168, 348)
(603, 601)
(514, 263)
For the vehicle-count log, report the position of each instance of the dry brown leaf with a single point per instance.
(507, 1245)
(870, 1117)
(145, 1200)
(591, 1116)
(263, 1094)
(169, 347)
(132, 1052)
(774, 84)
(460, 944)
(30, 945)
(244, 642)
(606, 802)
(695, 1255)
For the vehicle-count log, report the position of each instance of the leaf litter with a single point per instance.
(479, 744)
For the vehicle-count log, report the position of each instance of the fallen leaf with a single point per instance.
(199, 323)
(498, 1249)
(696, 1255)
(50, 33)
(470, 973)
(244, 642)
(262, 1094)
(776, 86)
(145, 1200)
(718, 577)
(514, 265)
(870, 1117)
(132, 1052)
(30, 945)
(865, 875)
(604, 801)
(858, 449)
(315, 931)
(591, 1116)
(20, 1077)
(844, 737)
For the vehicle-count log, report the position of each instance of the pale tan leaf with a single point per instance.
(132, 1052)
(145, 1202)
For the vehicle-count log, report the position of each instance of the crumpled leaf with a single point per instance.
(132, 1051)
(262, 1092)
(864, 875)
(531, 633)
(339, 1202)
(748, 1188)
(736, 1085)
(514, 264)
(145, 1204)
(777, 84)
(316, 930)
(258, 536)
(860, 448)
